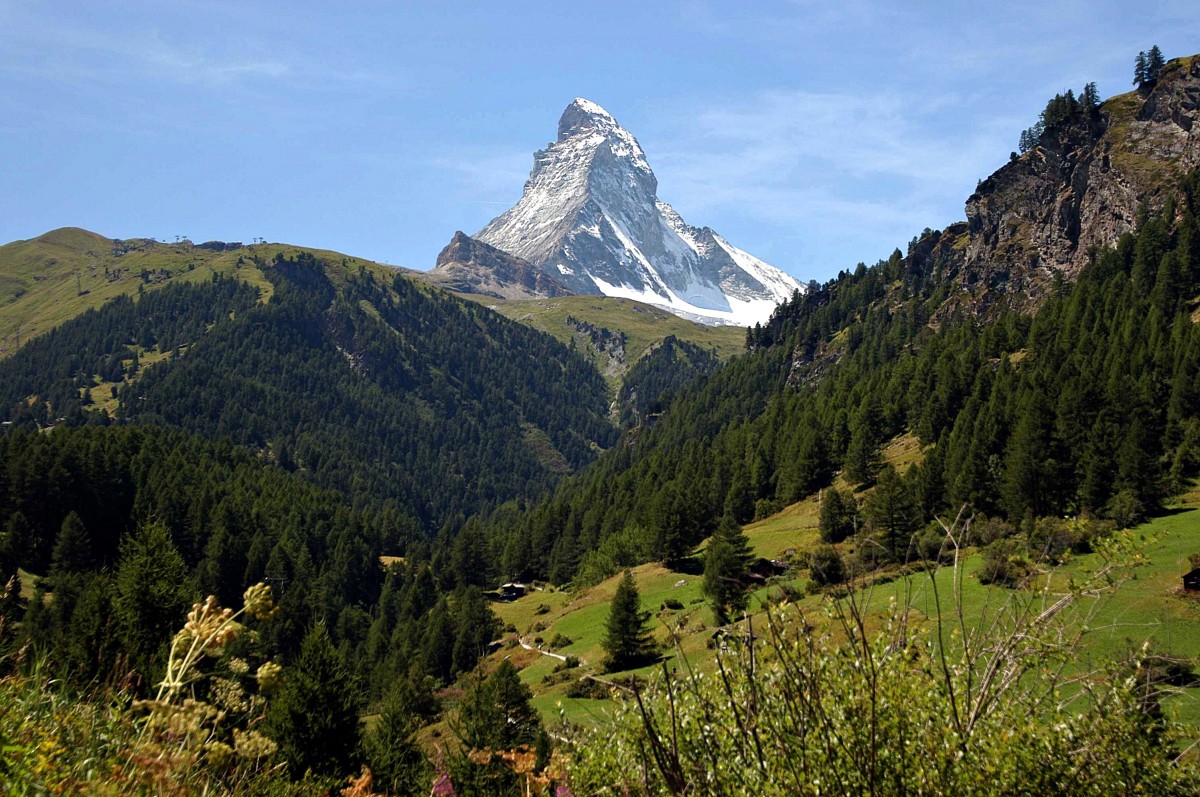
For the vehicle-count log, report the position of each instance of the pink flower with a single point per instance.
(442, 787)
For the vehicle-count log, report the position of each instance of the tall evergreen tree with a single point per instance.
(314, 718)
(152, 595)
(1139, 69)
(726, 565)
(892, 512)
(627, 640)
(496, 714)
(1154, 64)
(73, 548)
(395, 758)
(837, 517)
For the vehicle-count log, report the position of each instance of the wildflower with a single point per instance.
(218, 753)
(253, 745)
(258, 602)
(269, 675)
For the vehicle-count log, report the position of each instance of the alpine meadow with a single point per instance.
(603, 504)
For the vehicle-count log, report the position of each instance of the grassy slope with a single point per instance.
(50, 279)
(1147, 607)
(643, 325)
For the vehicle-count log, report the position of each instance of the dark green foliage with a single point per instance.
(476, 628)
(57, 365)
(654, 380)
(838, 516)
(152, 595)
(726, 566)
(495, 714)
(72, 548)
(392, 754)
(892, 513)
(314, 717)
(1004, 563)
(825, 566)
(627, 641)
(371, 388)
(1062, 109)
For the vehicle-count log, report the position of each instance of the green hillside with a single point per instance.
(1148, 605)
(644, 327)
(47, 280)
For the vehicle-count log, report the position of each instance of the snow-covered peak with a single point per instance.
(590, 216)
(583, 116)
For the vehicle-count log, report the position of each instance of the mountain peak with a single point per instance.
(590, 217)
(583, 116)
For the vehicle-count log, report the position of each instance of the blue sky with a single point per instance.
(812, 134)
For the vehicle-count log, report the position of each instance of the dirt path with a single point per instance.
(521, 641)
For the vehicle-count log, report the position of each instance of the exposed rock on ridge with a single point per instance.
(467, 265)
(1082, 187)
(590, 216)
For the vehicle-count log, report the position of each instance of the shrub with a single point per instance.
(560, 641)
(894, 711)
(825, 566)
(1004, 563)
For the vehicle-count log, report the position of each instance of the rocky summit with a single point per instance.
(590, 217)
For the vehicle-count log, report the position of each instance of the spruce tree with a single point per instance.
(72, 548)
(726, 565)
(314, 718)
(627, 641)
(1154, 64)
(1139, 69)
(836, 519)
(152, 595)
(496, 714)
(892, 512)
(395, 758)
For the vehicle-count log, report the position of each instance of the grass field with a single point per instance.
(644, 326)
(1147, 606)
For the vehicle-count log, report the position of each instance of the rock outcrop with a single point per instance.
(467, 265)
(1085, 184)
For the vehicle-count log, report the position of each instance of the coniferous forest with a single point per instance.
(253, 540)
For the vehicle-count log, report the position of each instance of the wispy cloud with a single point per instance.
(43, 47)
(486, 176)
(788, 154)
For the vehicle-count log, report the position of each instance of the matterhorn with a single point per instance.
(590, 218)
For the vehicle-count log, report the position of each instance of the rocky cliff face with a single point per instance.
(467, 265)
(590, 217)
(1082, 187)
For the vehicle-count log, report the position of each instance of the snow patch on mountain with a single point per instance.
(590, 216)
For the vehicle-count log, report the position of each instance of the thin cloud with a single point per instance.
(818, 145)
(58, 51)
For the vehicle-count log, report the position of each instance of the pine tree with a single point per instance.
(151, 594)
(1139, 69)
(726, 565)
(1090, 98)
(1154, 64)
(496, 714)
(314, 719)
(627, 641)
(72, 548)
(393, 755)
(892, 512)
(836, 520)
